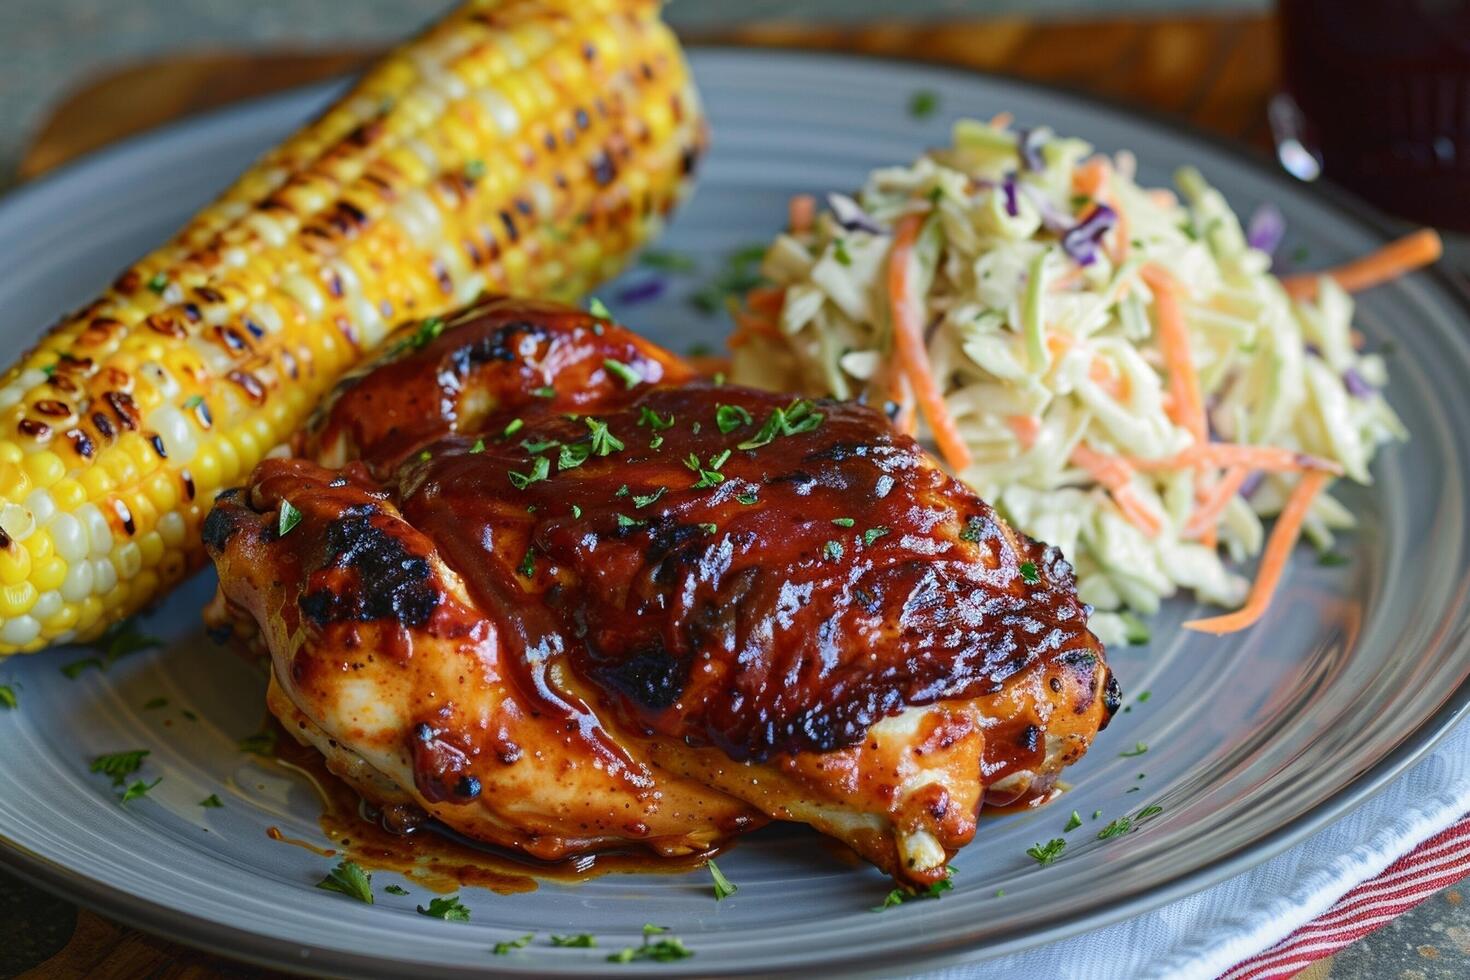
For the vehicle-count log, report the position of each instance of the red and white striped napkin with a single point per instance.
(1304, 904)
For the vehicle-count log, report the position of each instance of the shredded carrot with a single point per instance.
(1116, 475)
(1105, 377)
(1271, 459)
(1207, 514)
(908, 342)
(748, 325)
(1002, 120)
(1273, 562)
(767, 300)
(801, 213)
(1090, 176)
(1067, 280)
(1411, 252)
(1188, 408)
(1026, 428)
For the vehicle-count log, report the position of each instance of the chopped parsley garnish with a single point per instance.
(1073, 822)
(840, 252)
(512, 427)
(873, 534)
(1135, 630)
(118, 766)
(604, 443)
(1116, 828)
(643, 501)
(348, 878)
(211, 802)
(1139, 748)
(261, 743)
(422, 337)
(74, 669)
(709, 475)
(1096, 814)
(527, 567)
(545, 391)
(582, 940)
(923, 103)
(709, 528)
(798, 417)
(540, 470)
(573, 456)
(289, 518)
(449, 909)
(650, 418)
(731, 417)
(1152, 810)
(1029, 575)
(155, 703)
(1144, 696)
(191, 716)
(668, 261)
(576, 511)
(694, 428)
(1332, 559)
(724, 888)
(1048, 852)
(898, 895)
(120, 640)
(474, 169)
(973, 528)
(843, 521)
(629, 375)
(832, 550)
(138, 788)
(622, 491)
(624, 521)
(663, 951)
(534, 446)
(193, 402)
(656, 441)
(396, 890)
(598, 309)
(478, 447)
(425, 456)
(506, 946)
(747, 498)
(158, 283)
(7, 697)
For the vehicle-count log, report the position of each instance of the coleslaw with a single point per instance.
(1114, 367)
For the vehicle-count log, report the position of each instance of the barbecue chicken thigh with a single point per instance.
(534, 578)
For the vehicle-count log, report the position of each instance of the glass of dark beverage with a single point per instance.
(1377, 98)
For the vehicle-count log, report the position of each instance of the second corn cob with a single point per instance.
(520, 146)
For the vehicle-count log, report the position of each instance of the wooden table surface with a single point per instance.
(1213, 72)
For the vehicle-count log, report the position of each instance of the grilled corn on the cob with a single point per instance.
(517, 146)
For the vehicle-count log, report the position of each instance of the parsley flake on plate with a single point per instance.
(118, 766)
(449, 909)
(1139, 748)
(348, 878)
(899, 895)
(582, 940)
(923, 103)
(261, 743)
(598, 309)
(1047, 853)
(211, 802)
(1116, 828)
(137, 789)
(7, 697)
(507, 946)
(396, 890)
(1073, 822)
(724, 888)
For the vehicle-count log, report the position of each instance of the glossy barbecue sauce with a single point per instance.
(738, 570)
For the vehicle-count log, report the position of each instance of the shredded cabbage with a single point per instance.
(1043, 337)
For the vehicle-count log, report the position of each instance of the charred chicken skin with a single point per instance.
(536, 579)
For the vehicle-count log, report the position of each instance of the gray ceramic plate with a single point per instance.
(1254, 740)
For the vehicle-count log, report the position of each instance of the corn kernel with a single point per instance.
(96, 482)
(16, 600)
(150, 546)
(44, 468)
(49, 573)
(15, 565)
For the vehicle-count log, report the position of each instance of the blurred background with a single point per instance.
(52, 46)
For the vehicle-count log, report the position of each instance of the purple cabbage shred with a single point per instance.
(850, 215)
(641, 292)
(1266, 228)
(1008, 187)
(1029, 143)
(1357, 385)
(1082, 240)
